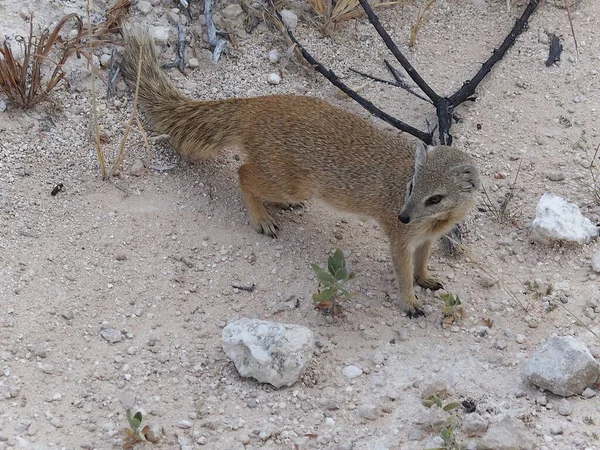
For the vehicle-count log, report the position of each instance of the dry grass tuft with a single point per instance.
(421, 17)
(333, 12)
(22, 79)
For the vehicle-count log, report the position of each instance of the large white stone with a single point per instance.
(269, 352)
(563, 366)
(559, 219)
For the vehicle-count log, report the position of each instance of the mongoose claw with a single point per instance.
(292, 206)
(415, 311)
(430, 283)
(267, 227)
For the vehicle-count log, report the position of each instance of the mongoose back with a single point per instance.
(301, 147)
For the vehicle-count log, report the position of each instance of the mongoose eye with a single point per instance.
(434, 199)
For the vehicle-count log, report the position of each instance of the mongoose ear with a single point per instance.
(467, 177)
(420, 155)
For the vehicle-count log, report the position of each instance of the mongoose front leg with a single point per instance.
(251, 185)
(402, 259)
(424, 279)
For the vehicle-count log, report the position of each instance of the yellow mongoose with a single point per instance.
(301, 147)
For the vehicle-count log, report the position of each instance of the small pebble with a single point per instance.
(588, 393)
(273, 56)
(367, 411)
(144, 7)
(111, 335)
(565, 408)
(289, 18)
(67, 314)
(352, 372)
(556, 176)
(274, 78)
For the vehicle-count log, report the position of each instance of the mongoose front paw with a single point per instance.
(267, 227)
(430, 283)
(414, 311)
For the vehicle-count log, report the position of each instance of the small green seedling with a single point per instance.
(331, 283)
(137, 433)
(447, 433)
(452, 310)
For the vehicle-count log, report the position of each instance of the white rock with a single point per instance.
(352, 372)
(563, 365)
(160, 35)
(289, 18)
(193, 63)
(559, 219)
(2, 106)
(273, 56)
(269, 352)
(596, 262)
(104, 60)
(144, 7)
(274, 78)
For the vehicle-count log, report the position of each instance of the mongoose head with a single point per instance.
(442, 188)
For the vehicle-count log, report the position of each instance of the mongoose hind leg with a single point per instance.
(254, 188)
(424, 279)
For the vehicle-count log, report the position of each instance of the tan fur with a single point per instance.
(301, 147)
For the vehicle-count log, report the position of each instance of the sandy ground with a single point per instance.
(155, 256)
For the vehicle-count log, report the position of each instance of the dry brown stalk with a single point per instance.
(21, 79)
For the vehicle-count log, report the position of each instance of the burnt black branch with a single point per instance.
(389, 43)
(445, 105)
(335, 80)
(468, 88)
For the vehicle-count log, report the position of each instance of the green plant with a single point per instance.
(452, 310)
(331, 283)
(136, 433)
(448, 431)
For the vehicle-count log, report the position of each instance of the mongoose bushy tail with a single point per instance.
(301, 147)
(165, 105)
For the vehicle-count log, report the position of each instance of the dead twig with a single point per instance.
(180, 61)
(244, 288)
(217, 44)
(132, 116)
(568, 8)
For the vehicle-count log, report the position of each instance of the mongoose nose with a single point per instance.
(404, 218)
